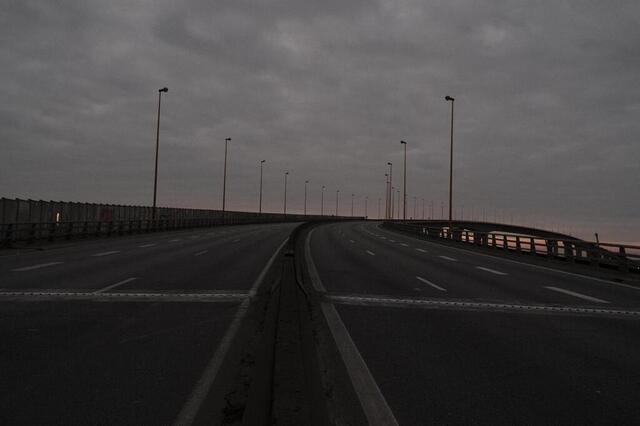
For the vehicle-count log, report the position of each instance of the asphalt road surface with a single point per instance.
(450, 336)
(122, 330)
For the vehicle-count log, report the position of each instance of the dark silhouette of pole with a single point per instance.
(415, 204)
(379, 208)
(398, 200)
(306, 182)
(366, 199)
(386, 196)
(261, 164)
(449, 98)
(286, 174)
(155, 178)
(337, 192)
(224, 179)
(391, 188)
(322, 201)
(404, 184)
(352, 195)
(423, 209)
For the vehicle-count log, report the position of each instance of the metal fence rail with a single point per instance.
(622, 257)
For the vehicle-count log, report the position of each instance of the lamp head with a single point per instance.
(449, 98)
(227, 139)
(164, 89)
(403, 142)
(262, 161)
(390, 164)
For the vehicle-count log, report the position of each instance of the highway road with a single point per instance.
(441, 335)
(125, 330)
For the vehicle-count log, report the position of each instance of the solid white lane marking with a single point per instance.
(147, 245)
(190, 409)
(404, 244)
(30, 268)
(118, 284)
(370, 253)
(105, 253)
(421, 250)
(578, 295)
(493, 271)
(200, 253)
(448, 258)
(64, 294)
(437, 287)
(351, 241)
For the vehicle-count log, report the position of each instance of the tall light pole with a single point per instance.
(398, 200)
(415, 204)
(449, 98)
(260, 206)
(155, 179)
(366, 199)
(404, 196)
(378, 208)
(337, 193)
(393, 191)
(306, 182)
(224, 179)
(322, 201)
(386, 196)
(423, 209)
(286, 174)
(390, 188)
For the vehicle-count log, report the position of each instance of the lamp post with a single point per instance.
(352, 195)
(415, 207)
(390, 188)
(449, 98)
(393, 190)
(337, 193)
(366, 199)
(322, 201)
(286, 174)
(155, 179)
(260, 206)
(306, 182)
(386, 196)
(398, 200)
(404, 196)
(378, 208)
(224, 179)
(423, 209)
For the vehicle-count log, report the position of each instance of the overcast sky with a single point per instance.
(547, 104)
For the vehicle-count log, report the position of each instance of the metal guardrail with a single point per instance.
(51, 231)
(621, 257)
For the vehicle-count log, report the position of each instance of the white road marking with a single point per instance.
(42, 265)
(437, 287)
(383, 238)
(147, 245)
(574, 294)
(448, 258)
(105, 253)
(392, 241)
(404, 245)
(370, 253)
(235, 241)
(493, 271)
(175, 241)
(200, 253)
(351, 241)
(421, 250)
(118, 284)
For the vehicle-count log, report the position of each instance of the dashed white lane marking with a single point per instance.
(493, 271)
(147, 245)
(105, 253)
(351, 241)
(200, 253)
(383, 238)
(437, 287)
(448, 258)
(578, 295)
(392, 241)
(118, 284)
(370, 253)
(422, 250)
(30, 268)
(175, 240)
(404, 244)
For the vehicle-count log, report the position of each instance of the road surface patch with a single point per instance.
(200, 253)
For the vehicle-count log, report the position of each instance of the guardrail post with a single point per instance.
(623, 264)
(493, 241)
(505, 243)
(532, 246)
(568, 251)
(518, 248)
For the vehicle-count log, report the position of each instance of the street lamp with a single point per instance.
(398, 200)
(306, 182)
(286, 174)
(378, 208)
(449, 98)
(404, 197)
(155, 179)
(415, 204)
(224, 179)
(391, 188)
(261, 164)
(366, 199)
(386, 196)
(337, 192)
(352, 195)
(322, 201)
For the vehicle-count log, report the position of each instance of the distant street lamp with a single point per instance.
(337, 193)
(366, 199)
(386, 196)
(379, 208)
(224, 179)
(286, 174)
(261, 164)
(391, 188)
(155, 179)
(423, 209)
(398, 200)
(449, 98)
(404, 196)
(352, 195)
(306, 182)
(393, 191)
(322, 201)
(415, 204)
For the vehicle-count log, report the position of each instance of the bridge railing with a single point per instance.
(622, 257)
